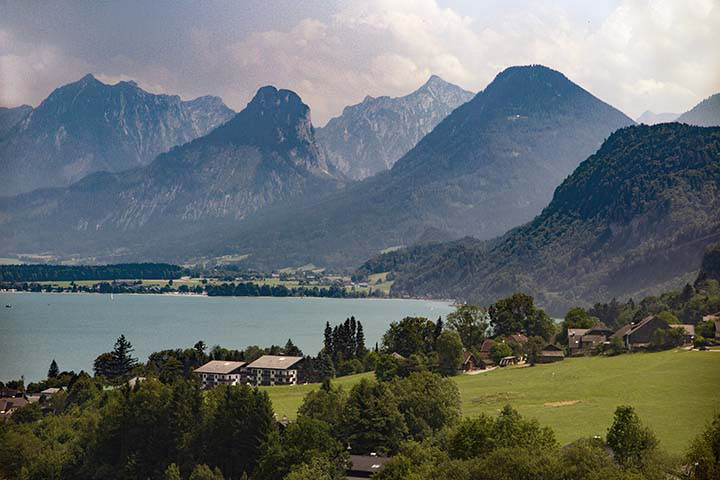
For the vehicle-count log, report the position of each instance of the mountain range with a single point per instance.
(371, 136)
(264, 155)
(490, 165)
(89, 126)
(9, 117)
(632, 219)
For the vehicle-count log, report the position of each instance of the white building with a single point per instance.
(221, 372)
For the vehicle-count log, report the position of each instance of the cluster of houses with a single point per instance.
(268, 370)
(549, 354)
(11, 399)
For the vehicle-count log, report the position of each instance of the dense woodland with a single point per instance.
(58, 273)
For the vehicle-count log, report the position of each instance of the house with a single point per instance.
(689, 331)
(221, 372)
(639, 335)
(8, 405)
(486, 348)
(134, 381)
(595, 335)
(397, 356)
(551, 353)
(575, 336)
(48, 393)
(365, 466)
(270, 370)
(470, 363)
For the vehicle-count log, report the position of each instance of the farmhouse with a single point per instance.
(470, 363)
(221, 372)
(596, 335)
(575, 339)
(9, 404)
(270, 370)
(485, 348)
(689, 332)
(364, 466)
(639, 335)
(551, 353)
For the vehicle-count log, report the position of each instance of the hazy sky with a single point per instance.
(635, 54)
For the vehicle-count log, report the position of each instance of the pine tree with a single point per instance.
(291, 349)
(360, 349)
(438, 329)
(328, 342)
(54, 371)
(123, 362)
(352, 344)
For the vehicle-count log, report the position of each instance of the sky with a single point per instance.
(637, 55)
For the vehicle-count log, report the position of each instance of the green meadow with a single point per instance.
(675, 392)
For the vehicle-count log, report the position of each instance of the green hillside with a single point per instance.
(675, 392)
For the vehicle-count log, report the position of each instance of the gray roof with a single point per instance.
(275, 362)
(367, 463)
(220, 367)
(51, 391)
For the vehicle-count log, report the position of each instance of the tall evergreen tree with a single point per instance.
(292, 349)
(328, 341)
(438, 328)
(54, 371)
(123, 361)
(360, 349)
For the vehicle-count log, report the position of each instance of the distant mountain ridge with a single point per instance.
(264, 155)
(490, 165)
(89, 126)
(652, 118)
(704, 114)
(369, 137)
(632, 220)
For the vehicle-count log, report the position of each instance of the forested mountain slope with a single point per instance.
(632, 219)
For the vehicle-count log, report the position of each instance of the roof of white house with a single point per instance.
(275, 361)
(219, 367)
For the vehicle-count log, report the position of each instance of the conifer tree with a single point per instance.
(360, 349)
(54, 371)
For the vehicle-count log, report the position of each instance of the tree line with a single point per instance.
(58, 273)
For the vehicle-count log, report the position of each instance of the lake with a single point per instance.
(75, 328)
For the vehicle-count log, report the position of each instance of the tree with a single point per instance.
(409, 335)
(450, 352)
(518, 314)
(470, 322)
(53, 371)
(172, 472)
(500, 350)
(291, 349)
(371, 420)
(703, 456)
(327, 343)
(629, 440)
(325, 366)
(428, 402)
(200, 348)
(123, 362)
(439, 325)
(326, 403)
(360, 350)
(705, 329)
(533, 348)
(103, 365)
(203, 472)
(27, 414)
(575, 318)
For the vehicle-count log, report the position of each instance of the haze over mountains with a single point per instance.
(652, 118)
(261, 188)
(492, 164)
(371, 136)
(633, 219)
(265, 154)
(89, 126)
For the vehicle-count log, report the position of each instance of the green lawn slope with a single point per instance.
(675, 393)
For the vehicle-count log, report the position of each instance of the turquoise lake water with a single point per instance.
(75, 328)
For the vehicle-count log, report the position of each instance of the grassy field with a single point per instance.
(675, 393)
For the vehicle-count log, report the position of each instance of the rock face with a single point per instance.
(371, 136)
(652, 118)
(704, 114)
(491, 165)
(89, 126)
(265, 155)
(632, 220)
(11, 116)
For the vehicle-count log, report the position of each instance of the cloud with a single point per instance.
(646, 54)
